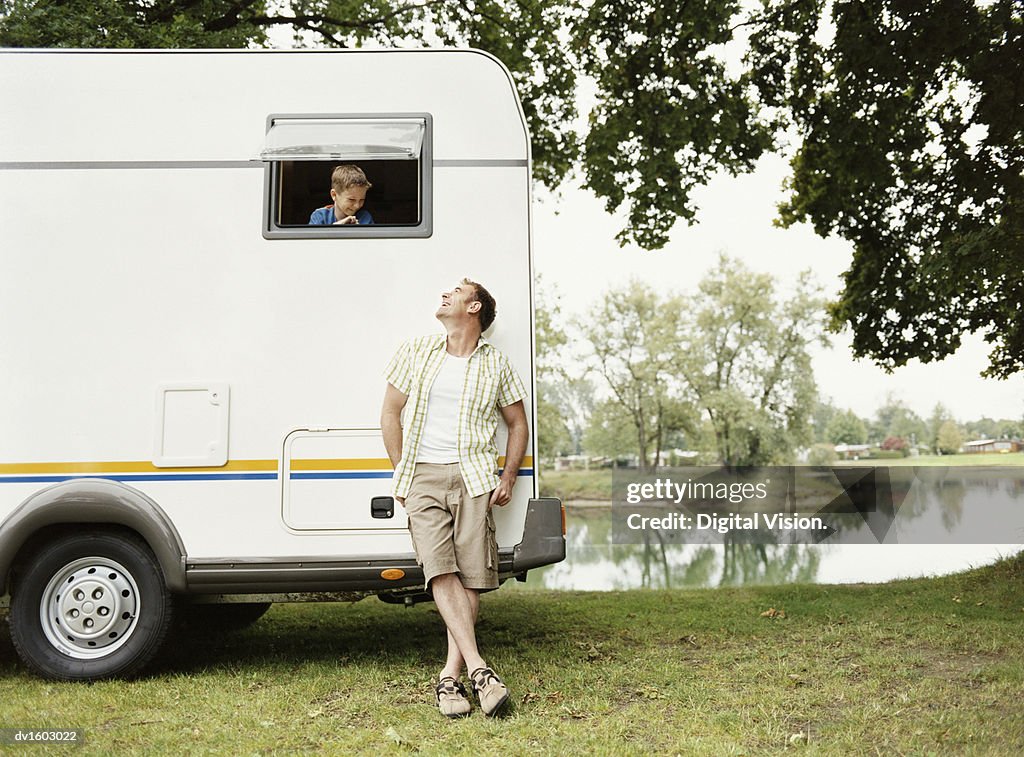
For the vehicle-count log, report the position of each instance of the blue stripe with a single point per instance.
(364, 474)
(207, 476)
(345, 474)
(144, 477)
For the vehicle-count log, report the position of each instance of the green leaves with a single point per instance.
(728, 365)
(668, 115)
(112, 23)
(912, 149)
(748, 365)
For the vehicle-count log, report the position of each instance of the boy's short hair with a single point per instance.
(347, 176)
(488, 307)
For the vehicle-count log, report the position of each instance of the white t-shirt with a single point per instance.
(440, 440)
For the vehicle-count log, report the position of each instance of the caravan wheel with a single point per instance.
(93, 605)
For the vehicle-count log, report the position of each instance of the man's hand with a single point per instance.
(347, 221)
(502, 495)
(400, 500)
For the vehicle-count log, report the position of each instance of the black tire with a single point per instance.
(221, 618)
(107, 608)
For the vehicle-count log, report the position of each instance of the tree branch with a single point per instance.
(314, 21)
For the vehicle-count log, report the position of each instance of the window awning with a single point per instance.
(344, 139)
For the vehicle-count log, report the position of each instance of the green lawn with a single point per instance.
(922, 666)
(577, 485)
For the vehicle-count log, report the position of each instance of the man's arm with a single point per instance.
(518, 436)
(391, 425)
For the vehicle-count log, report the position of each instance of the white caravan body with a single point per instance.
(179, 345)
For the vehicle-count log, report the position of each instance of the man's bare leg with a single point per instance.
(459, 614)
(453, 665)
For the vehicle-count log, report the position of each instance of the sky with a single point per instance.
(576, 251)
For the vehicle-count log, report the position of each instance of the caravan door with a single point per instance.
(338, 480)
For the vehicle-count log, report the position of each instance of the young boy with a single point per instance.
(348, 190)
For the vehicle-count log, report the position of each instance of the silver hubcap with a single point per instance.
(88, 608)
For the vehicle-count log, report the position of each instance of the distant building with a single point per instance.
(572, 462)
(677, 457)
(852, 451)
(994, 445)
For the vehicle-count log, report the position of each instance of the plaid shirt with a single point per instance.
(491, 382)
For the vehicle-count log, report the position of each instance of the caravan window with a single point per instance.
(301, 153)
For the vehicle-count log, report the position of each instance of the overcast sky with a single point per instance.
(575, 248)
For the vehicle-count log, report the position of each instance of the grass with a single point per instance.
(919, 666)
(577, 485)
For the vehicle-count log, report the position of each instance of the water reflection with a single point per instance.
(594, 562)
(892, 505)
(958, 506)
(947, 511)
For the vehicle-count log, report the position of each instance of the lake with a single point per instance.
(962, 512)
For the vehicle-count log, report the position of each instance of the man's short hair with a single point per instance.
(347, 176)
(488, 307)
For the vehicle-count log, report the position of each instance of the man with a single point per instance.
(452, 387)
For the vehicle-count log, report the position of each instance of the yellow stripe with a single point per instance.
(131, 467)
(349, 463)
(352, 463)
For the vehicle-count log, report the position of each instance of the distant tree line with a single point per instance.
(896, 427)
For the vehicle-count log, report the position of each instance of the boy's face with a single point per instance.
(348, 201)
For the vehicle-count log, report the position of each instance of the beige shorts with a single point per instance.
(452, 532)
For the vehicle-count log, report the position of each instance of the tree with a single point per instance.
(986, 428)
(1007, 429)
(846, 428)
(553, 437)
(894, 443)
(821, 454)
(131, 23)
(610, 431)
(823, 413)
(574, 397)
(912, 148)
(744, 358)
(940, 415)
(895, 418)
(632, 335)
(549, 329)
(668, 114)
(564, 401)
(908, 126)
(950, 439)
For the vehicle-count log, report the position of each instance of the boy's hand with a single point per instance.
(347, 221)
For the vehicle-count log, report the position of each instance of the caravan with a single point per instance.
(191, 373)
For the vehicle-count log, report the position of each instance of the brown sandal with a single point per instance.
(491, 691)
(452, 699)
